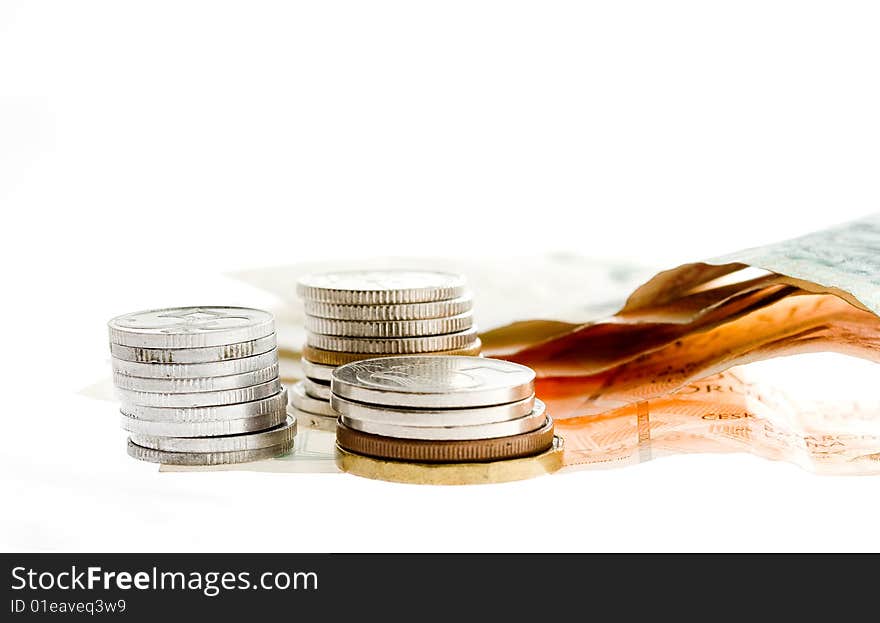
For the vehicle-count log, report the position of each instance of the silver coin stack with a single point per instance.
(200, 386)
(439, 409)
(357, 315)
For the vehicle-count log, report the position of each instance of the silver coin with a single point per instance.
(392, 345)
(205, 384)
(390, 328)
(318, 371)
(449, 381)
(199, 399)
(282, 433)
(207, 428)
(255, 408)
(190, 327)
(208, 354)
(401, 311)
(206, 458)
(195, 370)
(313, 420)
(302, 401)
(432, 417)
(381, 287)
(519, 426)
(316, 389)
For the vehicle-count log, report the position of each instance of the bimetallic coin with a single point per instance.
(195, 370)
(432, 417)
(207, 428)
(390, 328)
(316, 371)
(433, 382)
(283, 433)
(313, 420)
(410, 472)
(302, 401)
(205, 384)
(255, 408)
(393, 345)
(458, 451)
(405, 311)
(336, 358)
(190, 327)
(206, 458)
(381, 287)
(316, 389)
(194, 355)
(200, 399)
(525, 424)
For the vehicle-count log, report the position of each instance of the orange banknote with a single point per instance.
(734, 411)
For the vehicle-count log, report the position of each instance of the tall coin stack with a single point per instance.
(200, 386)
(357, 315)
(439, 410)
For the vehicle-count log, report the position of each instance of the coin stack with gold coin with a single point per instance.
(200, 386)
(453, 410)
(356, 315)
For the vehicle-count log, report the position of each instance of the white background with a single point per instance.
(146, 148)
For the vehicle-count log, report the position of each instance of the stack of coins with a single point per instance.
(358, 315)
(200, 386)
(439, 410)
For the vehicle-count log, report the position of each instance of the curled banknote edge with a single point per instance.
(843, 260)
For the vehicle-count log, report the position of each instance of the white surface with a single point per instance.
(147, 148)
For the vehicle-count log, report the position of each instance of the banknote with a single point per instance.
(793, 325)
(596, 346)
(687, 309)
(744, 409)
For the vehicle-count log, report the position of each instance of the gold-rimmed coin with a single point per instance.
(338, 358)
(489, 472)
